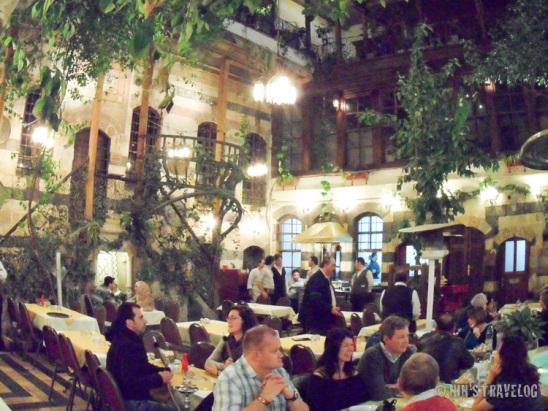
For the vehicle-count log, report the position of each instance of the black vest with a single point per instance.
(397, 300)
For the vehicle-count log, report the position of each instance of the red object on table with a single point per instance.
(42, 300)
(355, 342)
(184, 362)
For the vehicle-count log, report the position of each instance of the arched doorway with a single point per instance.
(252, 255)
(78, 181)
(513, 269)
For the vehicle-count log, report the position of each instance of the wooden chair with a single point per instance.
(197, 333)
(284, 302)
(263, 299)
(76, 306)
(172, 310)
(274, 323)
(111, 311)
(225, 308)
(80, 376)
(32, 341)
(153, 340)
(303, 359)
(368, 317)
(93, 364)
(199, 353)
(355, 324)
(15, 322)
(101, 317)
(287, 364)
(339, 321)
(53, 354)
(109, 391)
(88, 305)
(171, 334)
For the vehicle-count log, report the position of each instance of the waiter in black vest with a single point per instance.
(361, 285)
(402, 301)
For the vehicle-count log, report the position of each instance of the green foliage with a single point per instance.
(284, 175)
(433, 138)
(524, 323)
(519, 50)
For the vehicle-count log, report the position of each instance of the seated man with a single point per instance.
(128, 363)
(257, 380)
(380, 365)
(544, 317)
(447, 349)
(417, 382)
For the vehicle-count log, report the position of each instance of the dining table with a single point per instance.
(216, 330)
(60, 318)
(316, 343)
(153, 317)
(372, 329)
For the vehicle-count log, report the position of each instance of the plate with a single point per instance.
(58, 315)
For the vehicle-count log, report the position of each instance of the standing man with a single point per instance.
(278, 274)
(319, 304)
(128, 363)
(312, 267)
(402, 301)
(362, 284)
(256, 281)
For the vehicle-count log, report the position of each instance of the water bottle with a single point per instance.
(489, 337)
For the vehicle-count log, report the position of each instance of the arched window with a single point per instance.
(207, 138)
(369, 231)
(24, 160)
(78, 181)
(289, 227)
(254, 188)
(154, 126)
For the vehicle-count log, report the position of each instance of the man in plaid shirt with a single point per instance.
(257, 381)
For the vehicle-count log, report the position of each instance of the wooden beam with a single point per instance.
(221, 107)
(92, 147)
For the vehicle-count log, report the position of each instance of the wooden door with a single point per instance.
(513, 268)
(474, 249)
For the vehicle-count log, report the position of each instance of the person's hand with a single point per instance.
(264, 294)
(228, 362)
(166, 376)
(272, 385)
(336, 311)
(476, 332)
(287, 392)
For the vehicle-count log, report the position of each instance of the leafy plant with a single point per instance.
(522, 323)
(284, 175)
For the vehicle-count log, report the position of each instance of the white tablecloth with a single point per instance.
(273, 310)
(153, 317)
(74, 322)
(3, 406)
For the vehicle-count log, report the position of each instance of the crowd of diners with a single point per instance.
(251, 375)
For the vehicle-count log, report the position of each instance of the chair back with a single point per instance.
(287, 364)
(51, 341)
(101, 317)
(303, 359)
(13, 312)
(261, 299)
(372, 307)
(111, 311)
(355, 323)
(76, 306)
(109, 391)
(226, 306)
(284, 302)
(171, 332)
(199, 353)
(69, 355)
(172, 310)
(368, 317)
(92, 364)
(274, 322)
(26, 323)
(198, 333)
(148, 341)
(88, 305)
(339, 321)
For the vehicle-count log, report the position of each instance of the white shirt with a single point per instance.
(333, 299)
(416, 303)
(257, 277)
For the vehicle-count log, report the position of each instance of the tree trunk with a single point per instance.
(92, 147)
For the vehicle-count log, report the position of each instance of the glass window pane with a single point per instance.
(286, 259)
(520, 255)
(509, 256)
(296, 260)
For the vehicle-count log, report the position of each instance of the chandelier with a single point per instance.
(278, 90)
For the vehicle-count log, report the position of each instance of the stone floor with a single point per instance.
(25, 385)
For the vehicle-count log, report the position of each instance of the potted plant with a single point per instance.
(522, 322)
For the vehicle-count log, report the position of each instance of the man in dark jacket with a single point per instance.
(402, 301)
(319, 304)
(128, 363)
(448, 349)
(278, 275)
(380, 365)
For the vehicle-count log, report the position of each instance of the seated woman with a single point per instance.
(240, 319)
(335, 384)
(512, 382)
(143, 296)
(477, 328)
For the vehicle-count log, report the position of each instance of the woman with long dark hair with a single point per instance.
(335, 383)
(240, 319)
(512, 383)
